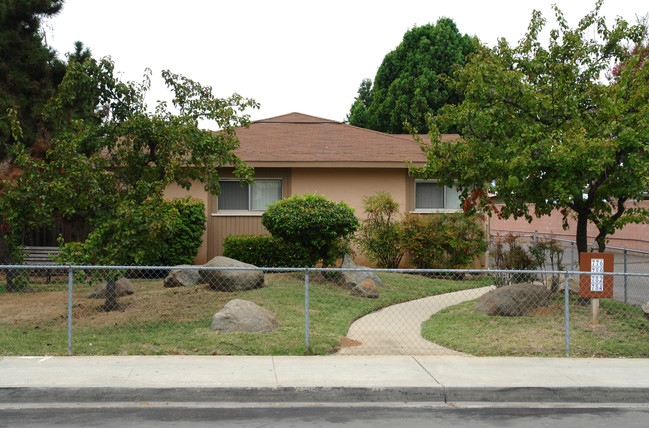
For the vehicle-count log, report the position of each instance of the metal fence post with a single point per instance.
(566, 311)
(572, 256)
(625, 278)
(306, 309)
(70, 284)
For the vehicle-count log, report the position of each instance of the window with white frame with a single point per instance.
(237, 195)
(430, 195)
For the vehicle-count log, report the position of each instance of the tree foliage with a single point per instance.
(409, 84)
(111, 163)
(29, 70)
(380, 236)
(548, 127)
(443, 241)
(313, 222)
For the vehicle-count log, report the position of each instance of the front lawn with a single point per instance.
(158, 321)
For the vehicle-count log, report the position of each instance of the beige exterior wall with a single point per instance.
(632, 236)
(350, 185)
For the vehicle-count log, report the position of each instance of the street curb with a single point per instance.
(15, 395)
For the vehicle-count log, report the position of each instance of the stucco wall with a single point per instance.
(350, 185)
(632, 236)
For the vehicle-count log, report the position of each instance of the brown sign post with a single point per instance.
(596, 286)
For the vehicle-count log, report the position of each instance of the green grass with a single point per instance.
(159, 321)
(623, 331)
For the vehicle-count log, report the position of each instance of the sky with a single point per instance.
(290, 56)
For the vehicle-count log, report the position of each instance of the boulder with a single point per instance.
(358, 275)
(243, 316)
(366, 289)
(231, 279)
(123, 287)
(645, 309)
(556, 284)
(182, 277)
(513, 300)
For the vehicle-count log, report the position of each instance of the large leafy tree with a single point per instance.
(29, 70)
(408, 84)
(112, 163)
(548, 127)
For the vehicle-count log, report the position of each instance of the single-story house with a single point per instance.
(294, 154)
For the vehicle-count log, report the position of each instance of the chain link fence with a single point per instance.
(128, 310)
(562, 254)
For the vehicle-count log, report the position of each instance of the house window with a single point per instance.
(429, 195)
(238, 195)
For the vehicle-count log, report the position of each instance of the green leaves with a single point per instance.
(410, 82)
(313, 222)
(111, 159)
(543, 126)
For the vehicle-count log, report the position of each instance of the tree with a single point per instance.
(380, 236)
(547, 128)
(408, 84)
(313, 222)
(111, 163)
(359, 115)
(29, 71)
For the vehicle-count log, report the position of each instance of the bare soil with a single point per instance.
(151, 302)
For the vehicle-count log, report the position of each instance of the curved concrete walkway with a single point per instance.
(396, 330)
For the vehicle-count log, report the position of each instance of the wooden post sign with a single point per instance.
(596, 286)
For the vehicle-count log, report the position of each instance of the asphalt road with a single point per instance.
(316, 415)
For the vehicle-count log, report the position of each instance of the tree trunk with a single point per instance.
(111, 294)
(582, 231)
(11, 275)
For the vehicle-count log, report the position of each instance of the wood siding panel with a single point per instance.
(223, 226)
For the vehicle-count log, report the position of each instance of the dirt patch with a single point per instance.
(547, 311)
(346, 342)
(151, 302)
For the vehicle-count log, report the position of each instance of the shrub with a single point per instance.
(186, 234)
(265, 251)
(154, 233)
(443, 241)
(380, 236)
(313, 222)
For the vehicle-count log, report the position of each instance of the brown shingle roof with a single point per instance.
(297, 137)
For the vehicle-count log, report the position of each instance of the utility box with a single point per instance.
(596, 286)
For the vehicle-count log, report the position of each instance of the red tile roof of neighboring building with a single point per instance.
(297, 137)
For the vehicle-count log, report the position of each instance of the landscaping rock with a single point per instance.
(556, 284)
(645, 309)
(244, 316)
(356, 277)
(513, 300)
(366, 289)
(229, 279)
(182, 277)
(123, 287)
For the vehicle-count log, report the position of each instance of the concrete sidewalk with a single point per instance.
(321, 379)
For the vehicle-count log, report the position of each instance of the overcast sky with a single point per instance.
(290, 56)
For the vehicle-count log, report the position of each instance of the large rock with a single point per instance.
(231, 279)
(244, 316)
(123, 287)
(557, 283)
(358, 275)
(365, 289)
(645, 309)
(182, 277)
(513, 300)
